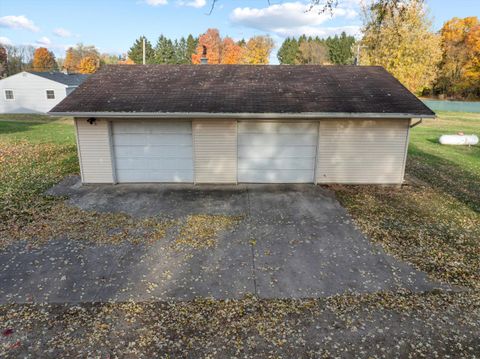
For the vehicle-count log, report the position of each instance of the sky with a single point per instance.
(113, 25)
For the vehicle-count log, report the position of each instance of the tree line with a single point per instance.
(80, 58)
(336, 49)
(220, 50)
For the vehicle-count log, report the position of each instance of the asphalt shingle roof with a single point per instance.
(243, 89)
(66, 79)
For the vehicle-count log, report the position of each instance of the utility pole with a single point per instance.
(144, 50)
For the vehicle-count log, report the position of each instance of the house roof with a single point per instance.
(251, 90)
(66, 79)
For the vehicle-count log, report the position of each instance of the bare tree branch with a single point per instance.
(214, 2)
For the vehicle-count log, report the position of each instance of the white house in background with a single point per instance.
(36, 92)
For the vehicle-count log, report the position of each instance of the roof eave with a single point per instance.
(242, 115)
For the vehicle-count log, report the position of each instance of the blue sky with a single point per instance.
(113, 26)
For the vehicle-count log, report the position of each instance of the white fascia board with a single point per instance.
(242, 115)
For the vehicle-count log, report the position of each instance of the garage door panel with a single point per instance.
(150, 150)
(155, 176)
(152, 127)
(153, 163)
(255, 152)
(272, 139)
(153, 151)
(277, 164)
(276, 176)
(278, 152)
(139, 139)
(276, 127)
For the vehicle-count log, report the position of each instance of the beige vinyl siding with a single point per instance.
(94, 151)
(362, 151)
(215, 151)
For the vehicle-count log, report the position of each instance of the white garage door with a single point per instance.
(281, 152)
(153, 151)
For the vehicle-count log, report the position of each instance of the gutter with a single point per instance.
(241, 115)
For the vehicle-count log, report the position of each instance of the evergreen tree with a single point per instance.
(340, 49)
(287, 53)
(136, 51)
(191, 47)
(181, 55)
(164, 51)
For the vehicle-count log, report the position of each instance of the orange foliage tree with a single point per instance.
(226, 51)
(212, 41)
(460, 67)
(127, 61)
(231, 52)
(43, 60)
(70, 63)
(88, 65)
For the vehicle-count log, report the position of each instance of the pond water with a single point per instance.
(456, 106)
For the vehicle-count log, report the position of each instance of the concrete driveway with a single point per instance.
(295, 241)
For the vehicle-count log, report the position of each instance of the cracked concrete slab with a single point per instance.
(295, 241)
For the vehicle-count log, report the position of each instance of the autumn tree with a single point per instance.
(212, 41)
(257, 50)
(69, 63)
(232, 53)
(126, 61)
(88, 65)
(136, 51)
(75, 55)
(459, 71)
(312, 53)
(43, 60)
(400, 40)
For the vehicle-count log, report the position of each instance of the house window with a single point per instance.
(9, 95)
(50, 94)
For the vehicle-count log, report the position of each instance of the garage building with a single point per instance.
(242, 124)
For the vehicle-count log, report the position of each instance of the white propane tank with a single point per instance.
(460, 139)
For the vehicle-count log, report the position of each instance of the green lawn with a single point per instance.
(36, 129)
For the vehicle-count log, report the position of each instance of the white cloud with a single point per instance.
(62, 32)
(193, 3)
(18, 22)
(5, 40)
(294, 19)
(44, 41)
(156, 2)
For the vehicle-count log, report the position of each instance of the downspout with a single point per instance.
(416, 123)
